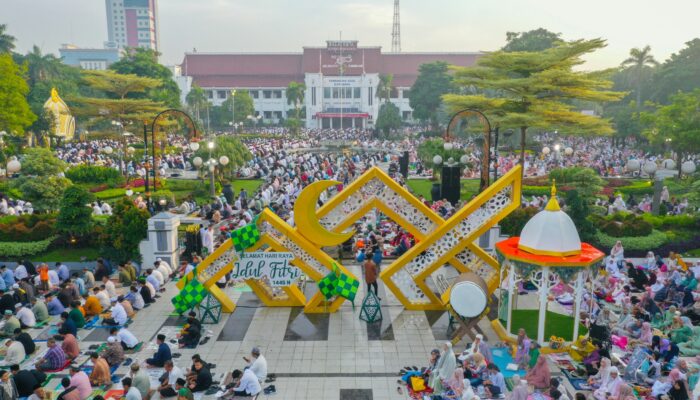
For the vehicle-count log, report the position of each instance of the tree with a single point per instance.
(144, 62)
(625, 117)
(124, 231)
(117, 103)
(385, 86)
(15, 114)
(7, 42)
(677, 125)
(295, 97)
(638, 62)
(41, 66)
(229, 146)
(196, 100)
(534, 89)
(680, 73)
(75, 215)
(389, 118)
(425, 97)
(578, 210)
(534, 40)
(39, 181)
(242, 104)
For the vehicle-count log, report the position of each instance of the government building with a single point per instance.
(341, 80)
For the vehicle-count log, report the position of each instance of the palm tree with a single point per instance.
(295, 96)
(385, 86)
(638, 61)
(7, 42)
(196, 99)
(41, 66)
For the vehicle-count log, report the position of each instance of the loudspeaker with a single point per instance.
(451, 183)
(403, 165)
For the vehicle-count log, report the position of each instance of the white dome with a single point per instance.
(550, 232)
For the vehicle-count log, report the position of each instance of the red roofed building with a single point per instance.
(341, 80)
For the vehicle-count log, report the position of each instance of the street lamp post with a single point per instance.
(211, 165)
(254, 119)
(233, 110)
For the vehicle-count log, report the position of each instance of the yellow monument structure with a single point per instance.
(64, 123)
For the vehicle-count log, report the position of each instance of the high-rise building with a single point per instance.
(132, 23)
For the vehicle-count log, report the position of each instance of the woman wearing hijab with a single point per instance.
(476, 371)
(520, 391)
(618, 253)
(539, 375)
(669, 350)
(625, 393)
(679, 331)
(444, 369)
(522, 348)
(678, 391)
(601, 378)
(612, 387)
(456, 382)
(646, 334)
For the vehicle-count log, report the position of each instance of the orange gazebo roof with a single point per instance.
(589, 255)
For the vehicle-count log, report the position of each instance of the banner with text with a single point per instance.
(274, 266)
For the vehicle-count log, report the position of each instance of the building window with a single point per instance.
(267, 114)
(210, 94)
(406, 93)
(406, 115)
(221, 94)
(267, 94)
(313, 96)
(327, 93)
(356, 92)
(370, 95)
(253, 94)
(276, 94)
(278, 114)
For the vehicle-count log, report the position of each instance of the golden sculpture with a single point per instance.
(64, 123)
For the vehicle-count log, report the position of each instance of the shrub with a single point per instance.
(74, 219)
(515, 221)
(642, 243)
(638, 189)
(24, 249)
(672, 221)
(20, 230)
(536, 190)
(95, 174)
(625, 225)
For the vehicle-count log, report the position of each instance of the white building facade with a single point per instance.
(341, 81)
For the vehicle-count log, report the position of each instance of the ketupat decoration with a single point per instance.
(246, 236)
(327, 285)
(189, 297)
(347, 287)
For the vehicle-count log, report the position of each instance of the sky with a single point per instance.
(426, 25)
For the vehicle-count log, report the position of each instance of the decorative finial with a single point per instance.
(54, 95)
(553, 204)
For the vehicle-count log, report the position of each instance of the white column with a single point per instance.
(511, 288)
(578, 295)
(544, 288)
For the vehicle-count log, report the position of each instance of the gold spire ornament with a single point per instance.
(553, 204)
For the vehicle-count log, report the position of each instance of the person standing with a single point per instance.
(43, 270)
(371, 274)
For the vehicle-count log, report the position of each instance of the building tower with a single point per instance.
(132, 23)
(396, 30)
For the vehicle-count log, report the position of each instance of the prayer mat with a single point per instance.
(47, 333)
(41, 324)
(502, 357)
(92, 322)
(113, 394)
(576, 382)
(65, 365)
(136, 349)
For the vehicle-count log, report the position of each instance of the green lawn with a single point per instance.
(470, 187)
(250, 185)
(555, 324)
(68, 254)
(182, 188)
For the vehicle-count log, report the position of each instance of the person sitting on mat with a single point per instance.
(70, 346)
(40, 310)
(67, 325)
(113, 353)
(117, 314)
(100, 374)
(162, 355)
(11, 323)
(127, 339)
(54, 359)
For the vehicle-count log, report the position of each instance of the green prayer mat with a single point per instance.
(136, 349)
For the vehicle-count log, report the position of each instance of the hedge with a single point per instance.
(672, 221)
(537, 190)
(644, 243)
(637, 189)
(24, 249)
(95, 174)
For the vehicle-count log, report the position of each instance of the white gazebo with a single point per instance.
(548, 247)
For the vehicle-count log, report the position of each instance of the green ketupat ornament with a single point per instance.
(327, 285)
(189, 297)
(246, 236)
